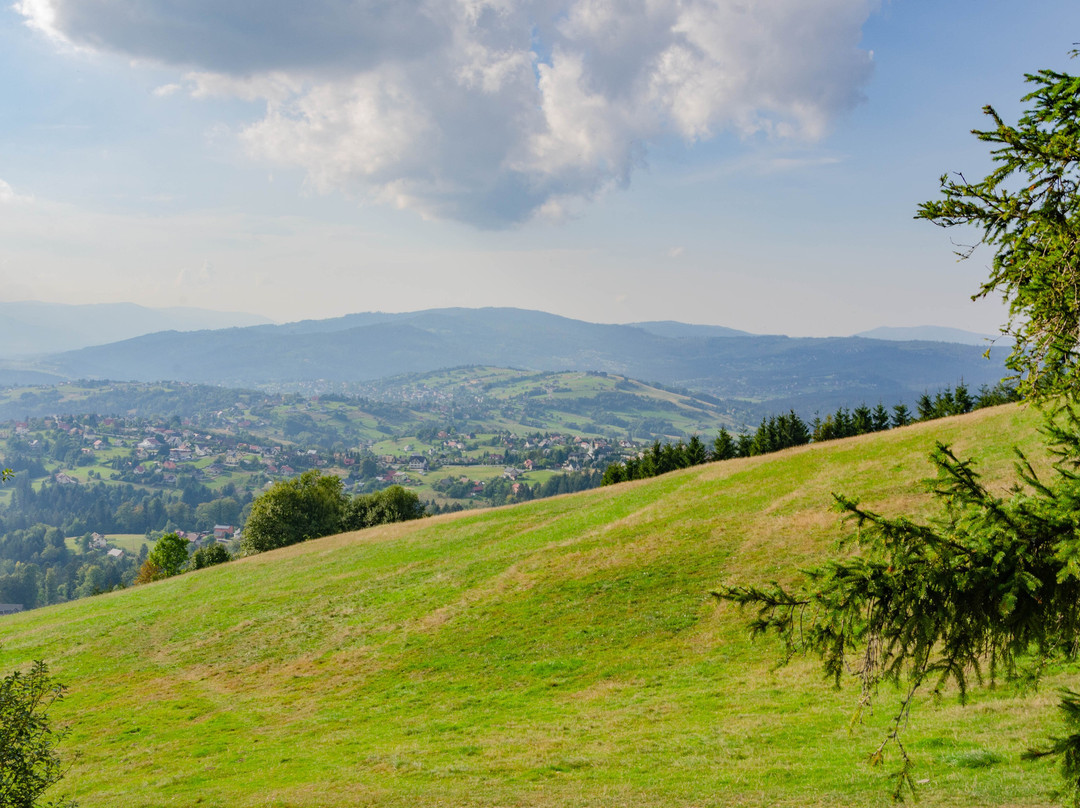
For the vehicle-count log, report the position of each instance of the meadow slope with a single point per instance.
(565, 652)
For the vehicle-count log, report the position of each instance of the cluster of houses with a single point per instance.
(207, 446)
(196, 539)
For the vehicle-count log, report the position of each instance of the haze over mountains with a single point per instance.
(804, 373)
(933, 333)
(32, 327)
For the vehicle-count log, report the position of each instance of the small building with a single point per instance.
(222, 532)
(115, 552)
(10, 608)
(418, 463)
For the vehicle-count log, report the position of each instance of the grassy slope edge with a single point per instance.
(564, 652)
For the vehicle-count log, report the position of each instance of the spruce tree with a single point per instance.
(994, 580)
(723, 446)
(794, 431)
(879, 418)
(862, 420)
(744, 445)
(842, 423)
(901, 415)
(825, 430)
(925, 407)
(1027, 210)
(695, 452)
(944, 403)
(962, 398)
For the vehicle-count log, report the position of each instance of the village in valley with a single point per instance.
(114, 465)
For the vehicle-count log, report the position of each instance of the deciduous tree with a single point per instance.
(291, 511)
(30, 764)
(170, 554)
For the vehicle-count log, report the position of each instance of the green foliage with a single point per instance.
(988, 586)
(292, 511)
(393, 504)
(1068, 747)
(723, 446)
(29, 762)
(1028, 210)
(660, 459)
(170, 554)
(695, 452)
(901, 416)
(314, 505)
(209, 556)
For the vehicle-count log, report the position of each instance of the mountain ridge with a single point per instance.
(801, 372)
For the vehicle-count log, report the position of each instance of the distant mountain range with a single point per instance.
(932, 333)
(804, 373)
(30, 327)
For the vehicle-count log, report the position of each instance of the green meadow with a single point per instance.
(564, 652)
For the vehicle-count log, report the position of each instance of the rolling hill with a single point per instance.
(801, 373)
(560, 653)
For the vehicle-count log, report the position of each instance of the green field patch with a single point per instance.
(563, 652)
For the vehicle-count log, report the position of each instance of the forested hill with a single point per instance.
(790, 372)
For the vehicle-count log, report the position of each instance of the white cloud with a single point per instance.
(8, 195)
(165, 90)
(490, 111)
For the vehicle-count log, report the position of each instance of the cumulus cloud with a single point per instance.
(8, 195)
(490, 111)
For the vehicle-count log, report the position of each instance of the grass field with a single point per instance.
(565, 652)
(128, 542)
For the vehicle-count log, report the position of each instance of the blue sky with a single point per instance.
(754, 165)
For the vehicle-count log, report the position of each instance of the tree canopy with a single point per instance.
(291, 511)
(314, 505)
(1028, 210)
(170, 554)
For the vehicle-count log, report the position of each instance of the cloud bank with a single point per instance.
(490, 111)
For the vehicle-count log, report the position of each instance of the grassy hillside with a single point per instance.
(561, 653)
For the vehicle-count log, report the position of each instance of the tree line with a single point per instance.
(777, 432)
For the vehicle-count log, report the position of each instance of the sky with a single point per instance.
(748, 163)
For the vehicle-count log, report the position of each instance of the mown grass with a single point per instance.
(565, 652)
